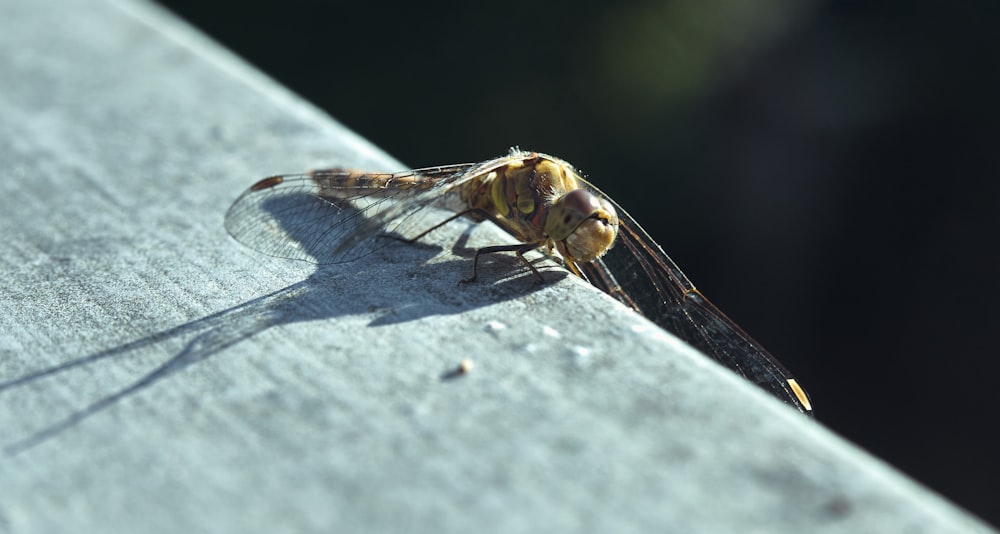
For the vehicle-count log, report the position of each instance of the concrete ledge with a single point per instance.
(156, 376)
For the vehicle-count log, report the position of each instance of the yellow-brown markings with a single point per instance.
(498, 195)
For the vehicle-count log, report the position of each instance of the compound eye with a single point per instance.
(583, 225)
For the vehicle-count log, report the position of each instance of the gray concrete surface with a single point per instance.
(155, 376)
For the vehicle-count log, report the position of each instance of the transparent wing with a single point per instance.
(639, 274)
(334, 216)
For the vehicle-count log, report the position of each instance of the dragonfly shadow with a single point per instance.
(500, 277)
(331, 291)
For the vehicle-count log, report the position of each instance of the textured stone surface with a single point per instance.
(156, 376)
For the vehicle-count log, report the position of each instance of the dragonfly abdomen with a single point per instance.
(341, 183)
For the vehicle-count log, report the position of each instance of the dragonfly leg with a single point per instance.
(518, 249)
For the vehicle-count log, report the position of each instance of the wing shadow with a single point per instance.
(316, 298)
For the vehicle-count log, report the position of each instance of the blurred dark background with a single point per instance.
(826, 172)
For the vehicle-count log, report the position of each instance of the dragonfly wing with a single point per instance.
(332, 216)
(287, 217)
(638, 273)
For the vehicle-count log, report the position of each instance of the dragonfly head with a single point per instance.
(582, 224)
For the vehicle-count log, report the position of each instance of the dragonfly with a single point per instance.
(339, 215)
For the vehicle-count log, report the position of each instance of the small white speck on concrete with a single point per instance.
(495, 326)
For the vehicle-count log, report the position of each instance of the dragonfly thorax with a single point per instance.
(583, 225)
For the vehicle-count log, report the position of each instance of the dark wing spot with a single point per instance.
(267, 183)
